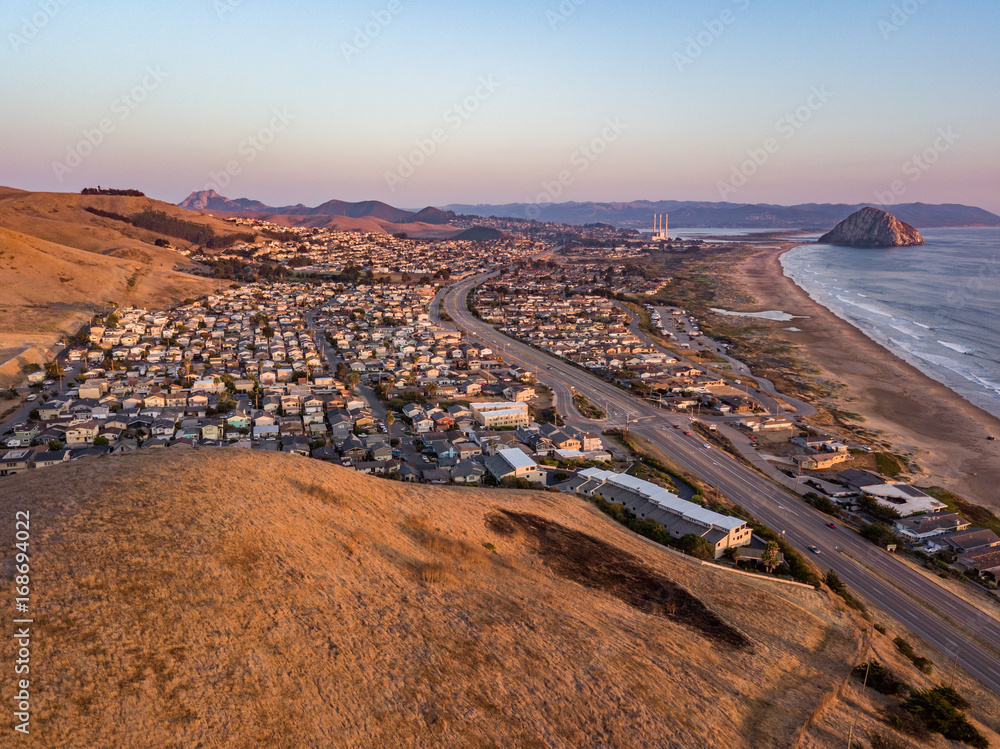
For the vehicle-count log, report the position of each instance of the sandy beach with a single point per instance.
(944, 433)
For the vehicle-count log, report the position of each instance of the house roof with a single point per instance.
(516, 458)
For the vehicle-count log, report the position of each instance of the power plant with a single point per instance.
(660, 226)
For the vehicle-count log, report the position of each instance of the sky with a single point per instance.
(431, 102)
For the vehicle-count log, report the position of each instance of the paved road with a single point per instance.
(942, 619)
(767, 394)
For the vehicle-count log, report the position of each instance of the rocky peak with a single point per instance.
(871, 227)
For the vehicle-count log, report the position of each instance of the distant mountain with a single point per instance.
(871, 227)
(685, 214)
(210, 200)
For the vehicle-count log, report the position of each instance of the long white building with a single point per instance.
(648, 501)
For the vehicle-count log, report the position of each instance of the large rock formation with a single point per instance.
(871, 227)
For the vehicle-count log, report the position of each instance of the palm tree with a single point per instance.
(389, 419)
(770, 556)
(353, 378)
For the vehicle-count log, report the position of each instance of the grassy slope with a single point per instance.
(58, 264)
(239, 599)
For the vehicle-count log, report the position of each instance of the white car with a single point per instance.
(32, 397)
(49, 382)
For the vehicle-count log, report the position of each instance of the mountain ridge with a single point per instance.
(688, 214)
(210, 200)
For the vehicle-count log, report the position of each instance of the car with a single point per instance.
(814, 549)
(831, 525)
(32, 397)
(706, 445)
(688, 434)
(68, 368)
(677, 426)
(49, 382)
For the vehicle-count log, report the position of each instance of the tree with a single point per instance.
(353, 378)
(55, 445)
(431, 388)
(102, 440)
(390, 419)
(770, 556)
(696, 546)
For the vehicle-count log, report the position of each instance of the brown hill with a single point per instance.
(417, 230)
(61, 263)
(213, 598)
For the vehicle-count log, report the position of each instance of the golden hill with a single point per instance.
(61, 218)
(222, 598)
(415, 229)
(60, 264)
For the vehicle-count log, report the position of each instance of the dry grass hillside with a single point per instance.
(416, 230)
(222, 598)
(61, 218)
(59, 264)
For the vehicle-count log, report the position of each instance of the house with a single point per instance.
(382, 454)
(519, 392)
(766, 423)
(588, 440)
(821, 461)
(501, 414)
(51, 458)
(965, 541)
(905, 499)
(16, 461)
(856, 480)
(651, 502)
(82, 433)
(468, 472)
(982, 561)
(925, 526)
(514, 463)
(467, 449)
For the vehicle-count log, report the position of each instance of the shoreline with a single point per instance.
(944, 433)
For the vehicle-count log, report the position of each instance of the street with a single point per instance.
(945, 621)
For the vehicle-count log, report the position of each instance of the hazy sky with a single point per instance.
(420, 102)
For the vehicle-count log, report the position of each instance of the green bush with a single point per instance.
(880, 534)
(940, 711)
(880, 678)
(906, 649)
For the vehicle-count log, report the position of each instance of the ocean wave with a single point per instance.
(957, 347)
(867, 307)
(904, 331)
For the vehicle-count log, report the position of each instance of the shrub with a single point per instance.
(878, 511)
(939, 710)
(880, 678)
(906, 649)
(880, 534)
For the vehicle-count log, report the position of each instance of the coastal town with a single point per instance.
(365, 372)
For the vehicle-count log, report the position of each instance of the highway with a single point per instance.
(943, 620)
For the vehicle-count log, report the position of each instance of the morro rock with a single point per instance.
(871, 227)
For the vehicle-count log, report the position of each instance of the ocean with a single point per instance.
(936, 306)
